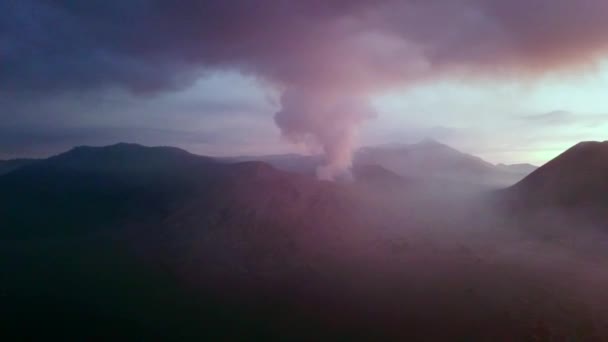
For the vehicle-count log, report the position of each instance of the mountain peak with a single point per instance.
(590, 153)
(126, 150)
(430, 142)
(124, 158)
(124, 147)
(576, 177)
(595, 145)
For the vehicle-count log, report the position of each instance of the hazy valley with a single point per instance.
(127, 240)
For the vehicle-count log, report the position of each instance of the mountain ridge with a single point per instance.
(9, 165)
(426, 159)
(105, 184)
(576, 178)
(430, 159)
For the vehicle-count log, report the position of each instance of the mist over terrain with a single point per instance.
(304, 170)
(427, 160)
(127, 241)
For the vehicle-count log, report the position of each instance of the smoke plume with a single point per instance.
(325, 118)
(327, 57)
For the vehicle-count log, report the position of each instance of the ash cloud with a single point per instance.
(326, 57)
(329, 118)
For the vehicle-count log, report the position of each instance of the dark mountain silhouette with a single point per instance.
(91, 229)
(576, 178)
(91, 188)
(7, 166)
(287, 162)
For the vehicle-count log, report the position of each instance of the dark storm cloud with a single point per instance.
(329, 55)
(150, 45)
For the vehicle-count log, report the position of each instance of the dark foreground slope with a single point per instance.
(130, 242)
(92, 241)
(7, 166)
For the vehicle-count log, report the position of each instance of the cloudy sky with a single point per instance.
(511, 81)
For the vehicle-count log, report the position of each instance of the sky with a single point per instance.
(512, 82)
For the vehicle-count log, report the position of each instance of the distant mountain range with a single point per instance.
(126, 183)
(426, 160)
(430, 159)
(518, 168)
